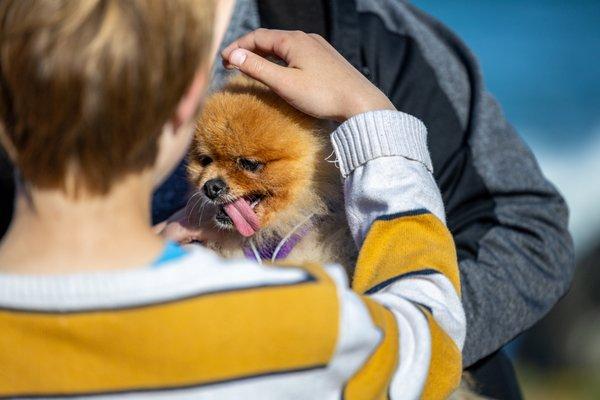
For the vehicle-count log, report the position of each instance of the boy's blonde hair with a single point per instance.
(86, 85)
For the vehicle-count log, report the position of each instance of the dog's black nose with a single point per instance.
(215, 188)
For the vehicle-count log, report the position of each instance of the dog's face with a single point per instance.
(253, 157)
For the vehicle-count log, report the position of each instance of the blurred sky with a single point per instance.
(541, 59)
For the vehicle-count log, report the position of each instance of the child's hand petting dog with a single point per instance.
(317, 79)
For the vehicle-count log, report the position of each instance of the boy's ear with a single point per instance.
(189, 103)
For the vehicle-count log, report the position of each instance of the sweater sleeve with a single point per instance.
(407, 273)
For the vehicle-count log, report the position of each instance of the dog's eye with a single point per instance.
(249, 165)
(204, 160)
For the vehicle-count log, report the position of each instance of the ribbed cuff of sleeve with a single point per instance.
(375, 134)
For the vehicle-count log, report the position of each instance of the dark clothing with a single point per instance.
(495, 377)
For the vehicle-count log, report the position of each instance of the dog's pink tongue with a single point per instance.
(243, 216)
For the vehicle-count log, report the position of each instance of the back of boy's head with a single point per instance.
(87, 85)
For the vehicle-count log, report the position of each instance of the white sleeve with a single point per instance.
(407, 267)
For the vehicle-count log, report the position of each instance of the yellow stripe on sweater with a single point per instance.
(445, 367)
(402, 245)
(189, 342)
(373, 380)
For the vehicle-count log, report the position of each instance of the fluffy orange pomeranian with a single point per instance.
(260, 172)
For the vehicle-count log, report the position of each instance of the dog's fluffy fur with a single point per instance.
(294, 181)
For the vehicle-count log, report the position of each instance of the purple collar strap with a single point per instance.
(273, 246)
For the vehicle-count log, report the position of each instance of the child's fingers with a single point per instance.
(317, 80)
(261, 69)
(264, 42)
(177, 232)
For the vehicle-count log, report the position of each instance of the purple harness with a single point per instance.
(268, 247)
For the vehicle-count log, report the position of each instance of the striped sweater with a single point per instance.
(207, 328)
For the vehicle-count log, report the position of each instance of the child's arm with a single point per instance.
(407, 272)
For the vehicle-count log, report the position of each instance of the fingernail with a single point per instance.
(237, 57)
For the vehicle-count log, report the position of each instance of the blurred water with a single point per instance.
(541, 59)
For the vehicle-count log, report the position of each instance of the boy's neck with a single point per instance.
(54, 233)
